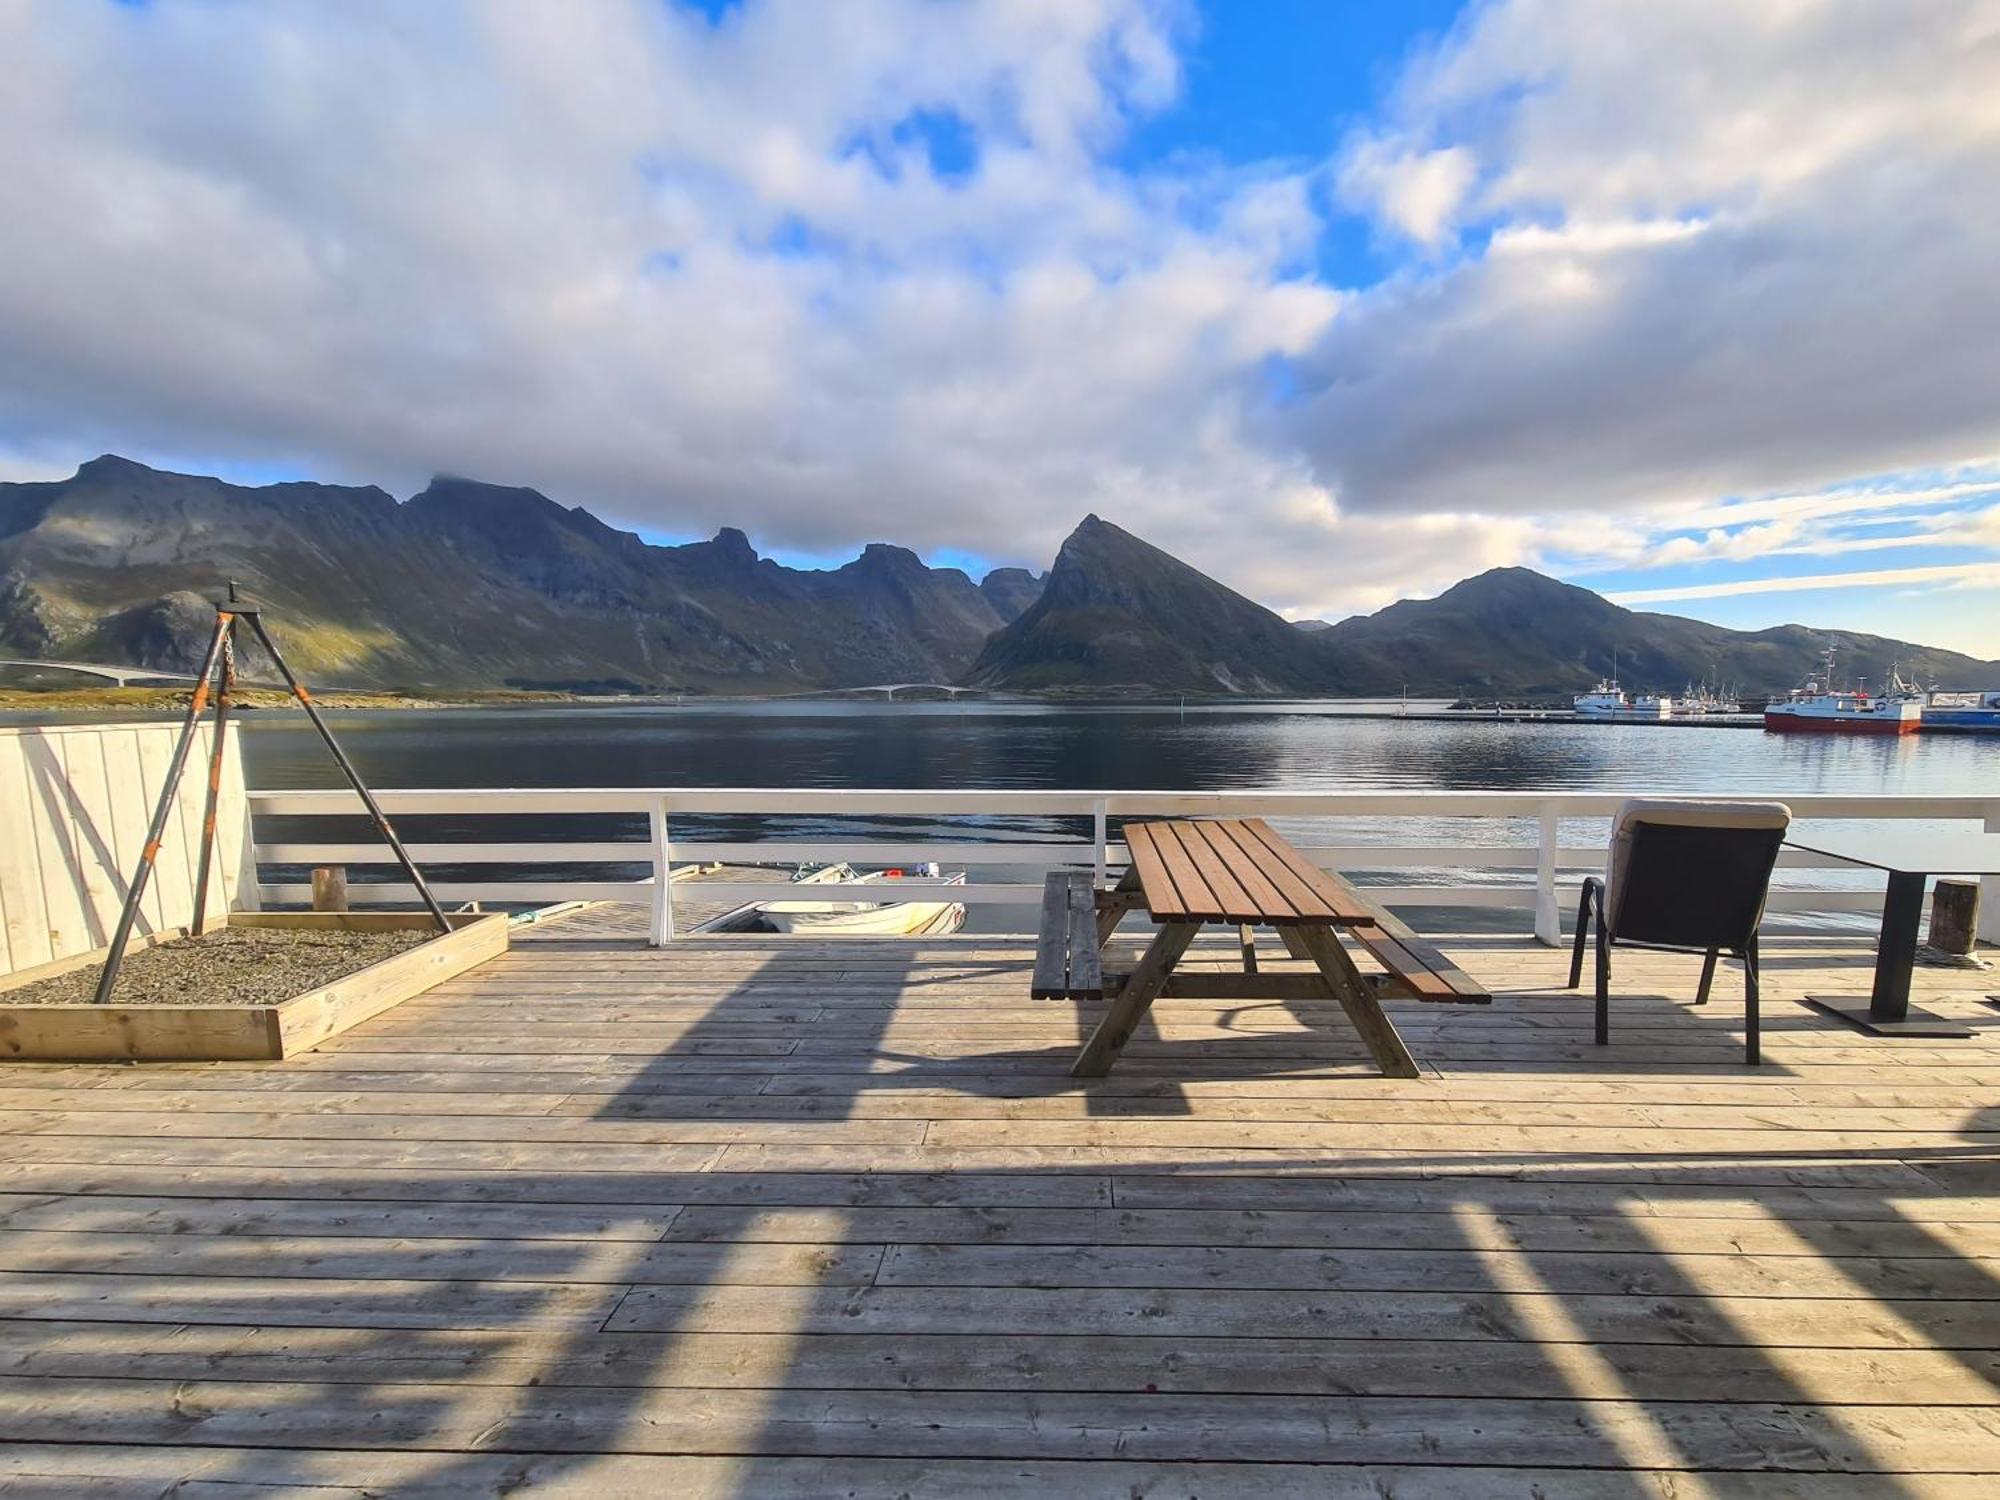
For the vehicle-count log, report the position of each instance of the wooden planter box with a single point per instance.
(236, 1033)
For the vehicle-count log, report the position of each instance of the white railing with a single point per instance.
(1532, 832)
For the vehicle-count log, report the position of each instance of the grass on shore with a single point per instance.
(175, 699)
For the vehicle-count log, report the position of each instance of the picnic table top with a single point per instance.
(1236, 870)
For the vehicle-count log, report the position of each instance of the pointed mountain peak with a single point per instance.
(727, 555)
(1094, 531)
(887, 556)
(1119, 612)
(729, 542)
(1110, 556)
(111, 465)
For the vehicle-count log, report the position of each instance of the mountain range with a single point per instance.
(465, 585)
(1118, 613)
(470, 586)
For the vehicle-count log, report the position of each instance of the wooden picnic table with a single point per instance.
(1241, 872)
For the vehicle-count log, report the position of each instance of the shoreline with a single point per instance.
(19, 705)
(253, 699)
(175, 698)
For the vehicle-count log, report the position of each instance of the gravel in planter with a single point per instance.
(230, 966)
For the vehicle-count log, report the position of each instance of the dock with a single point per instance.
(768, 1216)
(1562, 716)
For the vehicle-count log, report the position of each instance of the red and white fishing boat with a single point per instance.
(1816, 706)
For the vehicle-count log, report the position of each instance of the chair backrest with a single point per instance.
(1691, 874)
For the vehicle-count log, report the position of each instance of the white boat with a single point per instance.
(1611, 703)
(1816, 706)
(894, 918)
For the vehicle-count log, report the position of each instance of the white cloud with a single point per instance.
(1728, 249)
(696, 274)
(1951, 575)
(690, 274)
(1848, 500)
(1419, 192)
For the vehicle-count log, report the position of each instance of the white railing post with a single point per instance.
(662, 930)
(1989, 890)
(1099, 826)
(1548, 919)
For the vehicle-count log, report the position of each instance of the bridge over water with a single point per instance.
(122, 676)
(890, 689)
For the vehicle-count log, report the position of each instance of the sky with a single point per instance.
(1339, 300)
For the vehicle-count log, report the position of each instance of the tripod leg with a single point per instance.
(134, 893)
(222, 698)
(353, 776)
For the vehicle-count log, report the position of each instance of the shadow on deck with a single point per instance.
(755, 1217)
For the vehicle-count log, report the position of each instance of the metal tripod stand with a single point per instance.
(218, 673)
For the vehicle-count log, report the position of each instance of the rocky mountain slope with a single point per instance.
(466, 585)
(1514, 631)
(1118, 614)
(479, 586)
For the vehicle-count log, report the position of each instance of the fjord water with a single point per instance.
(1313, 746)
(1305, 746)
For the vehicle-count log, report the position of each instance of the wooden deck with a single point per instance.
(767, 1216)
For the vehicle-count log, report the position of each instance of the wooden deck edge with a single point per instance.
(246, 1033)
(21, 978)
(304, 1021)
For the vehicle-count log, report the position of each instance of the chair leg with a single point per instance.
(1603, 984)
(1752, 1049)
(1707, 978)
(1582, 933)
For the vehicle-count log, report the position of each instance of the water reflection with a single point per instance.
(1300, 747)
(1308, 746)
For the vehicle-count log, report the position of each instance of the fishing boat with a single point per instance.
(1701, 699)
(1963, 713)
(847, 918)
(1816, 706)
(1610, 702)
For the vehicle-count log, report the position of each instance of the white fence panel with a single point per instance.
(75, 803)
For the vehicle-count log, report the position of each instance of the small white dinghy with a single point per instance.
(848, 918)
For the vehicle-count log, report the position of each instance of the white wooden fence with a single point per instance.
(1523, 850)
(75, 802)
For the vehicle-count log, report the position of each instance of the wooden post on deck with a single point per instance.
(1954, 916)
(330, 888)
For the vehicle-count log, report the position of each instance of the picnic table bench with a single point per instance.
(1241, 872)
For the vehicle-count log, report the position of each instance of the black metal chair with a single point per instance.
(1683, 877)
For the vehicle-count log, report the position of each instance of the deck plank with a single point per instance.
(777, 1216)
(214, 1471)
(1120, 1426)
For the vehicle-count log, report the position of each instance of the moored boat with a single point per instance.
(1963, 713)
(1816, 706)
(1701, 699)
(1610, 702)
(848, 918)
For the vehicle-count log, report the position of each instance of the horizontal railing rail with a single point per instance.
(1532, 839)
